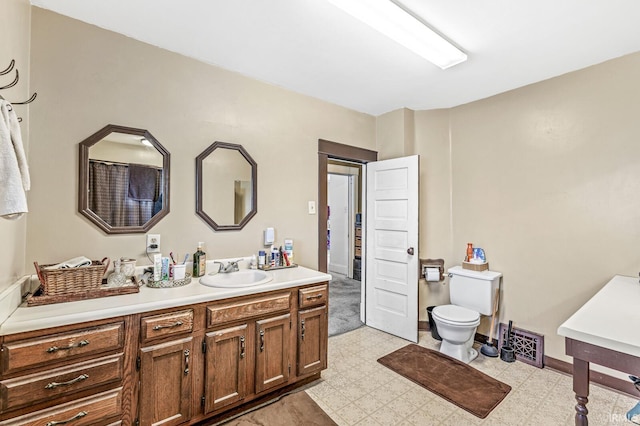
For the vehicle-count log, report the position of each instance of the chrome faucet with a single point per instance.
(232, 266)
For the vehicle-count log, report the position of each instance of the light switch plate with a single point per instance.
(312, 207)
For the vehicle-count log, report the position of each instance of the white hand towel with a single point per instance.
(14, 171)
(76, 262)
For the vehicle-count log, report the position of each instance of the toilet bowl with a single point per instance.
(457, 326)
(471, 294)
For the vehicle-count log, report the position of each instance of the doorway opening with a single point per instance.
(340, 208)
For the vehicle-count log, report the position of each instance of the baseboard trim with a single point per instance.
(423, 326)
(613, 383)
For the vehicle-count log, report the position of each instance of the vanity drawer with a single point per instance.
(313, 296)
(154, 327)
(101, 409)
(50, 384)
(248, 308)
(40, 351)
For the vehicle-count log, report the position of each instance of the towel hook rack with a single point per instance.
(13, 83)
(28, 101)
(6, 71)
(9, 68)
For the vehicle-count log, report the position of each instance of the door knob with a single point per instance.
(410, 251)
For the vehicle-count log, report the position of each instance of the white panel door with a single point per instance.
(392, 246)
(339, 229)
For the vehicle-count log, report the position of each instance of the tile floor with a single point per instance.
(357, 390)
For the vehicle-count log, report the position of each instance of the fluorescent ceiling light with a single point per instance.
(394, 22)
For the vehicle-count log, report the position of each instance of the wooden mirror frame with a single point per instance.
(83, 180)
(199, 186)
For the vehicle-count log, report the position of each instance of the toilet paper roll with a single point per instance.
(433, 274)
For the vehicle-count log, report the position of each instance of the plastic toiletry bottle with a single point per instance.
(262, 257)
(469, 252)
(199, 261)
(157, 267)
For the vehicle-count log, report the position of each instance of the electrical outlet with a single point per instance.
(153, 243)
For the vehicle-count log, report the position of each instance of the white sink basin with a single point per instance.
(246, 278)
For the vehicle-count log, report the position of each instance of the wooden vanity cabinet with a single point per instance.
(165, 365)
(75, 374)
(177, 366)
(226, 366)
(250, 349)
(312, 330)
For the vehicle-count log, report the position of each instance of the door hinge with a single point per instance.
(204, 346)
(202, 400)
(138, 363)
(289, 368)
(290, 324)
(137, 422)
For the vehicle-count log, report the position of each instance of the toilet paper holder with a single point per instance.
(432, 263)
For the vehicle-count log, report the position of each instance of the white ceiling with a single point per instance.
(311, 47)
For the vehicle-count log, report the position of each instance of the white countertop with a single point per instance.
(610, 319)
(28, 318)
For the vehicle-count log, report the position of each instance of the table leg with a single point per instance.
(581, 389)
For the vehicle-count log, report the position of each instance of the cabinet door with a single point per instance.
(273, 344)
(226, 361)
(312, 340)
(165, 383)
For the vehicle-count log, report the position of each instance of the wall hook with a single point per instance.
(8, 70)
(13, 83)
(28, 101)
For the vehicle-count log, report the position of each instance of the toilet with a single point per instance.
(472, 294)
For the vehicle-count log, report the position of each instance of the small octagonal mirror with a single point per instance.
(226, 186)
(123, 182)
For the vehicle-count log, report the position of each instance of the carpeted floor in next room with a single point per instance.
(344, 304)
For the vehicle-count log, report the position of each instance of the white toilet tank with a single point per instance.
(472, 289)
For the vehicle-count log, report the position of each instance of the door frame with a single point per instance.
(338, 151)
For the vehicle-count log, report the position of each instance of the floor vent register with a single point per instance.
(528, 346)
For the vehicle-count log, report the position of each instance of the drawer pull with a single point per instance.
(54, 385)
(175, 324)
(80, 415)
(261, 340)
(317, 296)
(242, 347)
(186, 361)
(303, 329)
(80, 344)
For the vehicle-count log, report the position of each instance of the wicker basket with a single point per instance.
(57, 282)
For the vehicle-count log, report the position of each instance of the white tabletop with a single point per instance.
(28, 318)
(610, 319)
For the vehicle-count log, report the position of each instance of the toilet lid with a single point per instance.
(456, 314)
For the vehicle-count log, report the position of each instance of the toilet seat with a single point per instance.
(456, 315)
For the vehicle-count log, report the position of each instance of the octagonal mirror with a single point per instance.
(226, 186)
(123, 182)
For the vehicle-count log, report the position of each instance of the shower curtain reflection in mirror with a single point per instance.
(124, 194)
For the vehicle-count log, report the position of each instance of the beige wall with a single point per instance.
(88, 77)
(546, 179)
(15, 25)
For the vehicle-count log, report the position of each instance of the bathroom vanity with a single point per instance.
(604, 331)
(163, 356)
